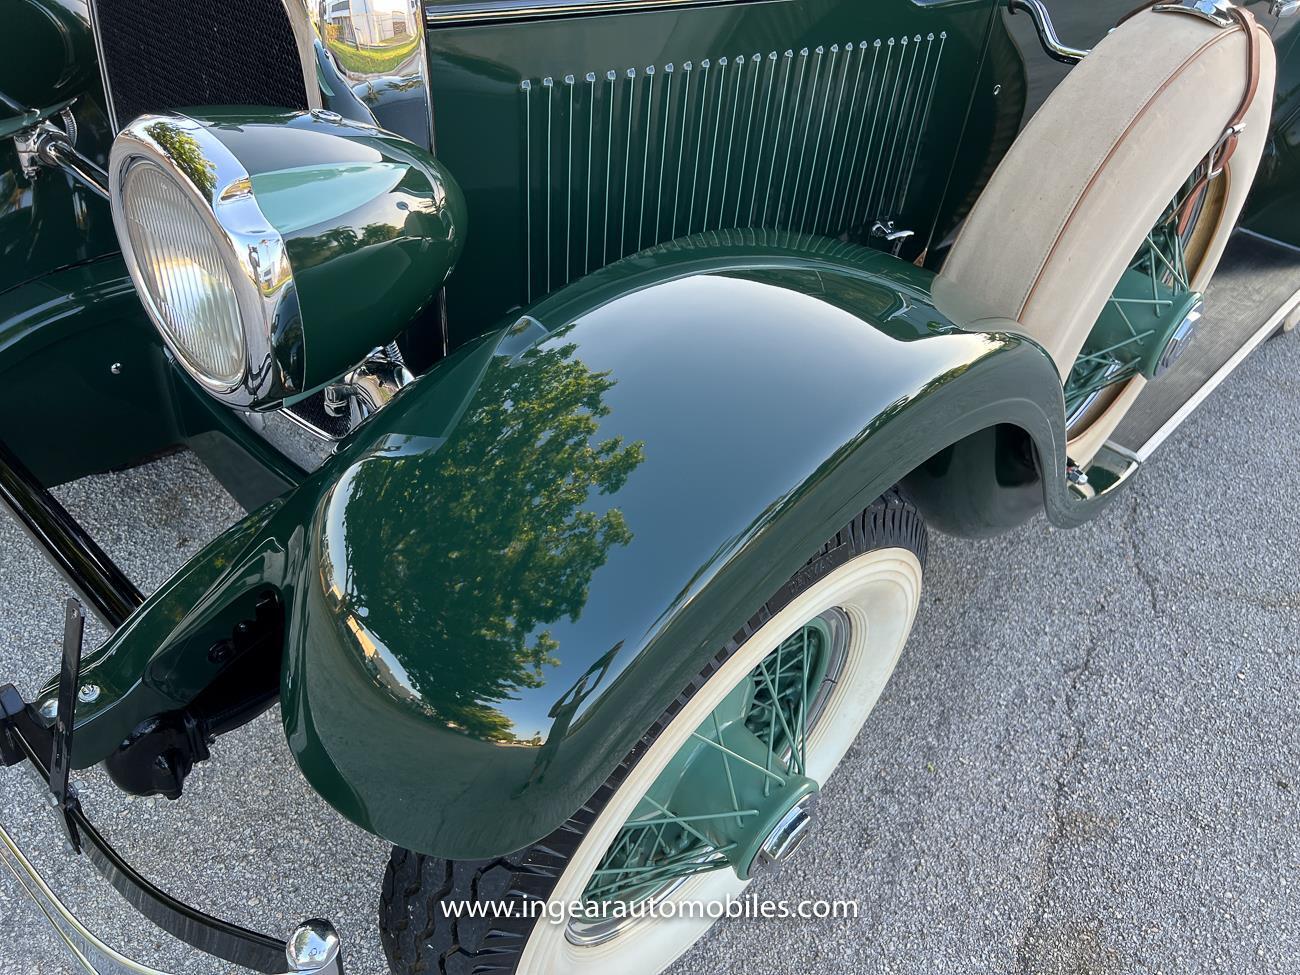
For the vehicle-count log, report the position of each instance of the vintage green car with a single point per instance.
(591, 371)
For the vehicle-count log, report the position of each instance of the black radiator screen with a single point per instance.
(161, 55)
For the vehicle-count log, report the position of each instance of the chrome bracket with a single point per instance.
(895, 237)
(46, 146)
(369, 387)
(1047, 35)
(1232, 131)
(1217, 12)
(33, 145)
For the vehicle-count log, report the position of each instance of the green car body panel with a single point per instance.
(516, 565)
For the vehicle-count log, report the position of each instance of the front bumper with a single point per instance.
(312, 949)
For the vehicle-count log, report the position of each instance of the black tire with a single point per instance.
(419, 939)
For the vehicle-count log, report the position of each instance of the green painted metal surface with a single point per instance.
(68, 411)
(47, 60)
(513, 569)
(515, 566)
(93, 388)
(581, 140)
(1273, 208)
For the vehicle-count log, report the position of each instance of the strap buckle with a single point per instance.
(1223, 149)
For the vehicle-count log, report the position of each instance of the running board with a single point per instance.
(1255, 288)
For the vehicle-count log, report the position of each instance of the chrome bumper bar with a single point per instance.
(312, 949)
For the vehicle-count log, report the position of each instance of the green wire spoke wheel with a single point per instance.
(736, 796)
(1151, 316)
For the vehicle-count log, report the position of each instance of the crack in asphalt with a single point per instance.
(1134, 555)
(1060, 831)
(1031, 943)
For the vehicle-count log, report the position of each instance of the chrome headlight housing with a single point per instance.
(273, 251)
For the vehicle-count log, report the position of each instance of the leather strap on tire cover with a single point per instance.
(1225, 149)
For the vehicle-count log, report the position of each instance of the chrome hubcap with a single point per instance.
(786, 837)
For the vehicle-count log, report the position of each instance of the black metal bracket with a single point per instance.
(74, 625)
(23, 737)
(91, 573)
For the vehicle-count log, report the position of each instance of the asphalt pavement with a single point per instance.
(1086, 763)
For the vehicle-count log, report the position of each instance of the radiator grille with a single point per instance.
(161, 55)
(822, 140)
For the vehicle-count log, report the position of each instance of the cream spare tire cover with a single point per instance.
(1082, 186)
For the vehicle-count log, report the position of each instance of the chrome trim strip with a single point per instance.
(478, 11)
(1211, 384)
(304, 35)
(109, 110)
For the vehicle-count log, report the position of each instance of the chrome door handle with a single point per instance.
(1047, 32)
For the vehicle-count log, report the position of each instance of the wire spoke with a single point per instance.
(1109, 356)
(661, 848)
(740, 758)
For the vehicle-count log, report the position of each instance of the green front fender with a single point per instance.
(507, 575)
(528, 559)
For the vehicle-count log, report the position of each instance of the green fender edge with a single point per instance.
(506, 576)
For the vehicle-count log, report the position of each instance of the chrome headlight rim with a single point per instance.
(252, 251)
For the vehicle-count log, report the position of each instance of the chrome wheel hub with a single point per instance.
(786, 838)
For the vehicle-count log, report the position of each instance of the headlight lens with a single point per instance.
(184, 274)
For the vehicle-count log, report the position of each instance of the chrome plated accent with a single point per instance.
(1283, 8)
(305, 444)
(786, 837)
(1047, 36)
(477, 11)
(367, 62)
(1214, 170)
(368, 388)
(1110, 470)
(894, 236)
(254, 251)
(1180, 340)
(1074, 418)
(356, 397)
(45, 146)
(314, 947)
(1217, 12)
